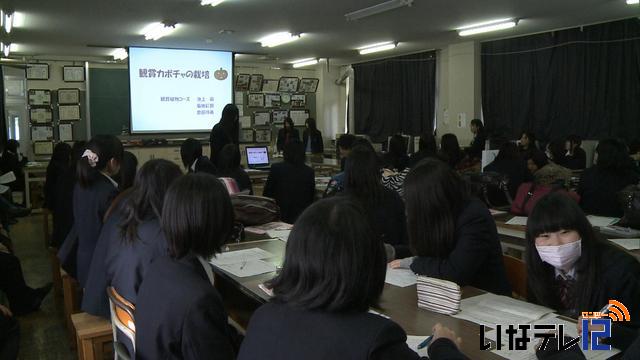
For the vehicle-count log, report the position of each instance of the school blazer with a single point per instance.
(89, 207)
(121, 264)
(317, 146)
(476, 258)
(293, 188)
(180, 315)
(282, 137)
(281, 332)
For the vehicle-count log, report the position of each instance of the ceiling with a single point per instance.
(55, 28)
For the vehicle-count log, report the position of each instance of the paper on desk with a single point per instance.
(496, 212)
(569, 330)
(279, 234)
(248, 268)
(413, 342)
(239, 256)
(629, 244)
(262, 229)
(400, 277)
(490, 309)
(7, 178)
(4, 189)
(517, 220)
(601, 220)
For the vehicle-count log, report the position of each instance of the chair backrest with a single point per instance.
(230, 184)
(121, 316)
(517, 275)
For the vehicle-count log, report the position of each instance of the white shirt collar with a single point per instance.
(193, 166)
(207, 269)
(113, 182)
(565, 274)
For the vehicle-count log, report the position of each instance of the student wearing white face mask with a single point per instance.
(570, 269)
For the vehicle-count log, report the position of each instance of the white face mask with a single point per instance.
(561, 257)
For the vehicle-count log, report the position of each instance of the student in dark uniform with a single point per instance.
(179, 313)
(479, 138)
(571, 270)
(227, 131)
(58, 167)
(384, 207)
(454, 235)
(22, 298)
(229, 166)
(333, 272)
(128, 169)
(312, 138)
(9, 335)
(287, 135)
(396, 157)
(508, 162)
(62, 212)
(92, 195)
(599, 184)
(192, 158)
(291, 183)
(527, 145)
(450, 150)
(130, 238)
(428, 148)
(576, 158)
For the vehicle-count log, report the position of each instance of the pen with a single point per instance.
(425, 343)
(605, 309)
(243, 264)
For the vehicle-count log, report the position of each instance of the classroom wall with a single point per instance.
(458, 98)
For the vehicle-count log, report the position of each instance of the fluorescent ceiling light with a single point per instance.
(6, 49)
(377, 47)
(633, 2)
(120, 54)
(211, 2)
(304, 62)
(18, 19)
(156, 30)
(486, 27)
(377, 9)
(8, 22)
(278, 39)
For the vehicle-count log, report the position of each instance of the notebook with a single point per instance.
(438, 295)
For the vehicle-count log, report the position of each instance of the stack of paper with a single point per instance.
(400, 277)
(243, 263)
(490, 309)
(517, 220)
(279, 234)
(262, 229)
(438, 295)
(413, 342)
(599, 221)
(629, 244)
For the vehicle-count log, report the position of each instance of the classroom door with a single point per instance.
(15, 108)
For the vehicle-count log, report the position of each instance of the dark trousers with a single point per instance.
(22, 298)
(9, 338)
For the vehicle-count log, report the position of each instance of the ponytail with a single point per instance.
(96, 156)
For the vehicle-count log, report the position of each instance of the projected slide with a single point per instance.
(178, 90)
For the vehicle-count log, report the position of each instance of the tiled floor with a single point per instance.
(43, 334)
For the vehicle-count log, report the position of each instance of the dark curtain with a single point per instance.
(3, 122)
(395, 95)
(582, 81)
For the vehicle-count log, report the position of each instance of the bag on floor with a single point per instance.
(629, 199)
(255, 210)
(491, 187)
(529, 193)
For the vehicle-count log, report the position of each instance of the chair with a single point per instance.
(121, 319)
(93, 336)
(71, 293)
(517, 275)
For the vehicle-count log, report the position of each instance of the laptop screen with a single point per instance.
(257, 156)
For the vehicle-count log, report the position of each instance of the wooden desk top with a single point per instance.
(400, 304)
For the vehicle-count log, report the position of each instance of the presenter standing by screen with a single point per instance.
(227, 131)
(287, 134)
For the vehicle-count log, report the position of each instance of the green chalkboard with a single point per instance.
(109, 100)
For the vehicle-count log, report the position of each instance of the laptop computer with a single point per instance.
(258, 157)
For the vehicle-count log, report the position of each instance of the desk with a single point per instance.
(242, 297)
(34, 173)
(513, 236)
